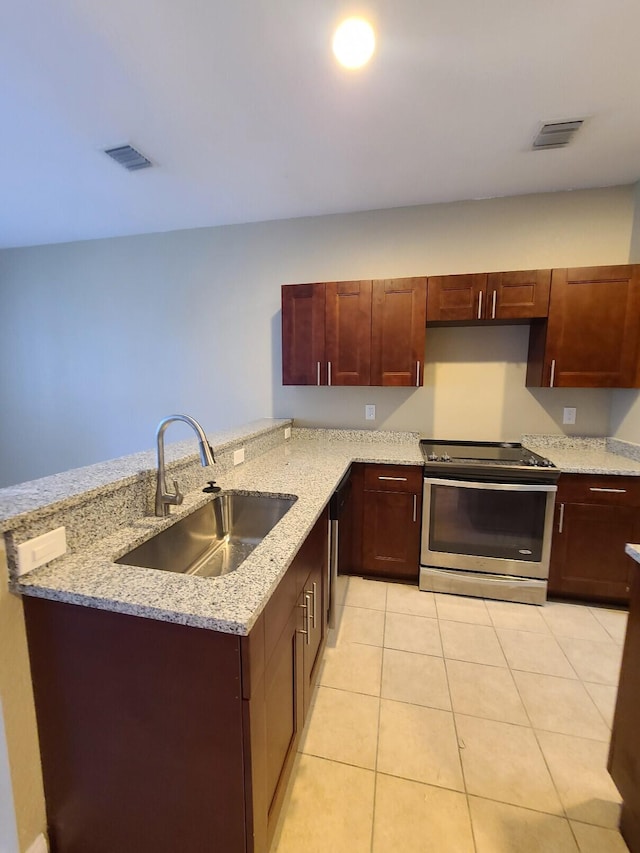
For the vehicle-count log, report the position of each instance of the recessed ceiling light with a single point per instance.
(354, 42)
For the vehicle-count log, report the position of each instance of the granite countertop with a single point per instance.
(587, 455)
(308, 467)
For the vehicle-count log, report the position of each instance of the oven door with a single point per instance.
(496, 528)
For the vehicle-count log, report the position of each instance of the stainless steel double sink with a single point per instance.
(215, 539)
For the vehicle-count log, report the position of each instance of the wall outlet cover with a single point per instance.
(238, 456)
(370, 412)
(41, 549)
(287, 432)
(569, 415)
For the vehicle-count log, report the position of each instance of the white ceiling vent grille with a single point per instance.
(557, 134)
(127, 156)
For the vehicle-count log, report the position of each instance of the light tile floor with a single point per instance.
(444, 724)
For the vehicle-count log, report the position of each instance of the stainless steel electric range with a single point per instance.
(487, 515)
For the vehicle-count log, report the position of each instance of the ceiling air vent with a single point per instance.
(556, 134)
(128, 157)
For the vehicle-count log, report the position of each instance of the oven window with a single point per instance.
(487, 522)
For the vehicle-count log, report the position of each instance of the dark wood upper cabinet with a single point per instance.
(518, 295)
(354, 332)
(592, 336)
(348, 332)
(303, 340)
(398, 331)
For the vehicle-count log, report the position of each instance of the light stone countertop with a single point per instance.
(587, 455)
(305, 467)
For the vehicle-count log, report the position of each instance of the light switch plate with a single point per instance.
(40, 550)
(238, 456)
(370, 412)
(569, 415)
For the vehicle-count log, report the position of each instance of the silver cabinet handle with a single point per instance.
(415, 508)
(395, 479)
(313, 594)
(328, 373)
(613, 491)
(318, 374)
(553, 373)
(480, 306)
(305, 607)
(417, 374)
(493, 309)
(561, 519)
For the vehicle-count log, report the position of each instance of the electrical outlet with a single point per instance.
(370, 412)
(569, 415)
(40, 550)
(287, 433)
(238, 456)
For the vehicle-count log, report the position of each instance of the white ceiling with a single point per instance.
(247, 116)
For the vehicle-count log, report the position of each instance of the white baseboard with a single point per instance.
(39, 845)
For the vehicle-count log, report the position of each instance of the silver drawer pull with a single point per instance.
(493, 309)
(613, 491)
(553, 373)
(397, 479)
(328, 373)
(318, 374)
(415, 508)
(417, 374)
(480, 306)
(561, 521)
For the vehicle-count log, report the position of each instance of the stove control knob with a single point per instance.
(529, 460)
(432, 457)
(445, 457)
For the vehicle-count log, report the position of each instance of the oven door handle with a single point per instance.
(502, 487)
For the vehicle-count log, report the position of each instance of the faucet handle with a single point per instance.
(177, 497)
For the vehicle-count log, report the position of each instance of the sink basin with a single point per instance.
(213, 540)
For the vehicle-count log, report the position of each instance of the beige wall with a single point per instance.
(19, 716)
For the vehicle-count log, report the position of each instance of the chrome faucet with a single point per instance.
(165, 499)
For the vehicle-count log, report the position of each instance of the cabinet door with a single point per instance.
(456, 298)
(593, 332)
(315, 608)
(398, 331)
(348, 332)
(587, 551)
(303, 343)
(523, 294)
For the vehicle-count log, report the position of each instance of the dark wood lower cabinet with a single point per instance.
(624, 753)
(595, 517)
(387, 515)
(156, 737)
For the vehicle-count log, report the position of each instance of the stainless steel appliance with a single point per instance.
(487, 515)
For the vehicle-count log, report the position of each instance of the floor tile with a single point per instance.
(414, 818)
(329, 807)
(595, 839)
(406, 598)
(420, 744)
(414, 678)
(458, 608)
(579, 769)
(504, 762)
(352, 666)
(574, 620)
(502, 828)
(485, 691)
(604, 697)
(518, 617)
(534, 653)
(560, 705)
(357, 625)
(343, 726)
(596, 662)
(366, 593)
(473, 643)
(412, 634)
(613, 621)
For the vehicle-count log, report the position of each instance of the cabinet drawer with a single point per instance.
(393, 478)
(599, 489)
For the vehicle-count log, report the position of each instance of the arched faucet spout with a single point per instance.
(165, 499)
